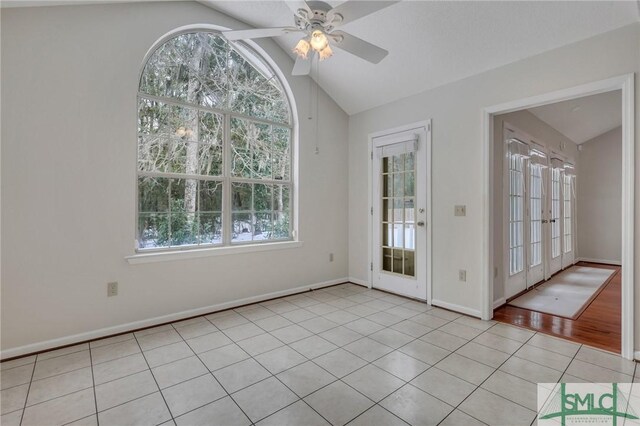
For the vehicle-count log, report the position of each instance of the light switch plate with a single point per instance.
(460, 210)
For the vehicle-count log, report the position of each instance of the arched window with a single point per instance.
(214, 146)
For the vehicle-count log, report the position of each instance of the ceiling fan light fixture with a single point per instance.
(326, 53)
(319, 40)
(302, 48)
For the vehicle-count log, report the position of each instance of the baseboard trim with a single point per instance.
(151, 322)
(605, 261)
(499, 302)
(457, 308)
(358, 281)
(636, 356)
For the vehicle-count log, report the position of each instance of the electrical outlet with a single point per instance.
(460, 211)
(112, 289)
(330, 257)
(462, 275)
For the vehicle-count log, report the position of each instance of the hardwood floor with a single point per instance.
(598, 326)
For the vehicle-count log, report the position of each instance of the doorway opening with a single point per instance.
(560, 217)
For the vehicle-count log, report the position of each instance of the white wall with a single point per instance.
(69, 80)
(544, 135)
(599, 198)
(456, 110)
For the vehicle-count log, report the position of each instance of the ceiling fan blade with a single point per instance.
(356, 9)
(296, 5)
(302, 66)
(358, 47)
(257, 33)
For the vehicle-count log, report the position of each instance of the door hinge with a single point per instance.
(372, 266)
(372, 155)
(429, 127)
(371, 211)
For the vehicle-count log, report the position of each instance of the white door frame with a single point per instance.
(426, 124)
(625, 83)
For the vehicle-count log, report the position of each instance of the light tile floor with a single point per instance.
(340, 355)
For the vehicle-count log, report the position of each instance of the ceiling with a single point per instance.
(430, 43)
(583, 119)
(435, 43)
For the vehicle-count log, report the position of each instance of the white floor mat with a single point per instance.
(566, 293)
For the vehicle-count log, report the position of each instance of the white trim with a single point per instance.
(167, 256)
(588, 259)
(456, 308)
(625, 83)
(499, 302)
(426, 125)
(358, 281)
(123, 328)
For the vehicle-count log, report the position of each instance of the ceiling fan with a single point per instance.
(319, 21)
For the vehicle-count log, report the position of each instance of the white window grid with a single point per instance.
(535, 207)
(555, 213)
(516, 214)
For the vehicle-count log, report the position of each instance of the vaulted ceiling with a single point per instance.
(435, 43)
(583, 119)
(430, 43)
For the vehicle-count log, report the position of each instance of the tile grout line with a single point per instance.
(26, 398)
(212, 375)
(154, 378)
(457, 407)
(93, 381)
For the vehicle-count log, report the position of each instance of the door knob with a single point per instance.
(420, 223)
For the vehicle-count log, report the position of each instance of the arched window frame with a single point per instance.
(258, 58)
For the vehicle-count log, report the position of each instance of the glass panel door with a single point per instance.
(398, 249)
(399, 212)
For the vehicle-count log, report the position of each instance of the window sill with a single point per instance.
(167, 256)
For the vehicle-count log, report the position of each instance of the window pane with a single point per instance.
(210, 196)
(153, 118)
(387, 259)
(184, 229)
(387, 185)
(254, 93)
(210, 160)
(281, 153)
(211, 128)
(240, 152)
(241, 196)
(262, 226)
(184, 123)
(260, 147)
(150, 228)
(262, 197)
(398, 184)
(281, 198)
(281, 225)
(153, 195)
(409, 263)
(154, 154)
(409, 184)
(241, 227)
(210, 228)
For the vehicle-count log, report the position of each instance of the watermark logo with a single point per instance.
(588, 403)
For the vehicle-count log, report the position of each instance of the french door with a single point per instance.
(555, 220)
(539, 213)
(399, 212)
